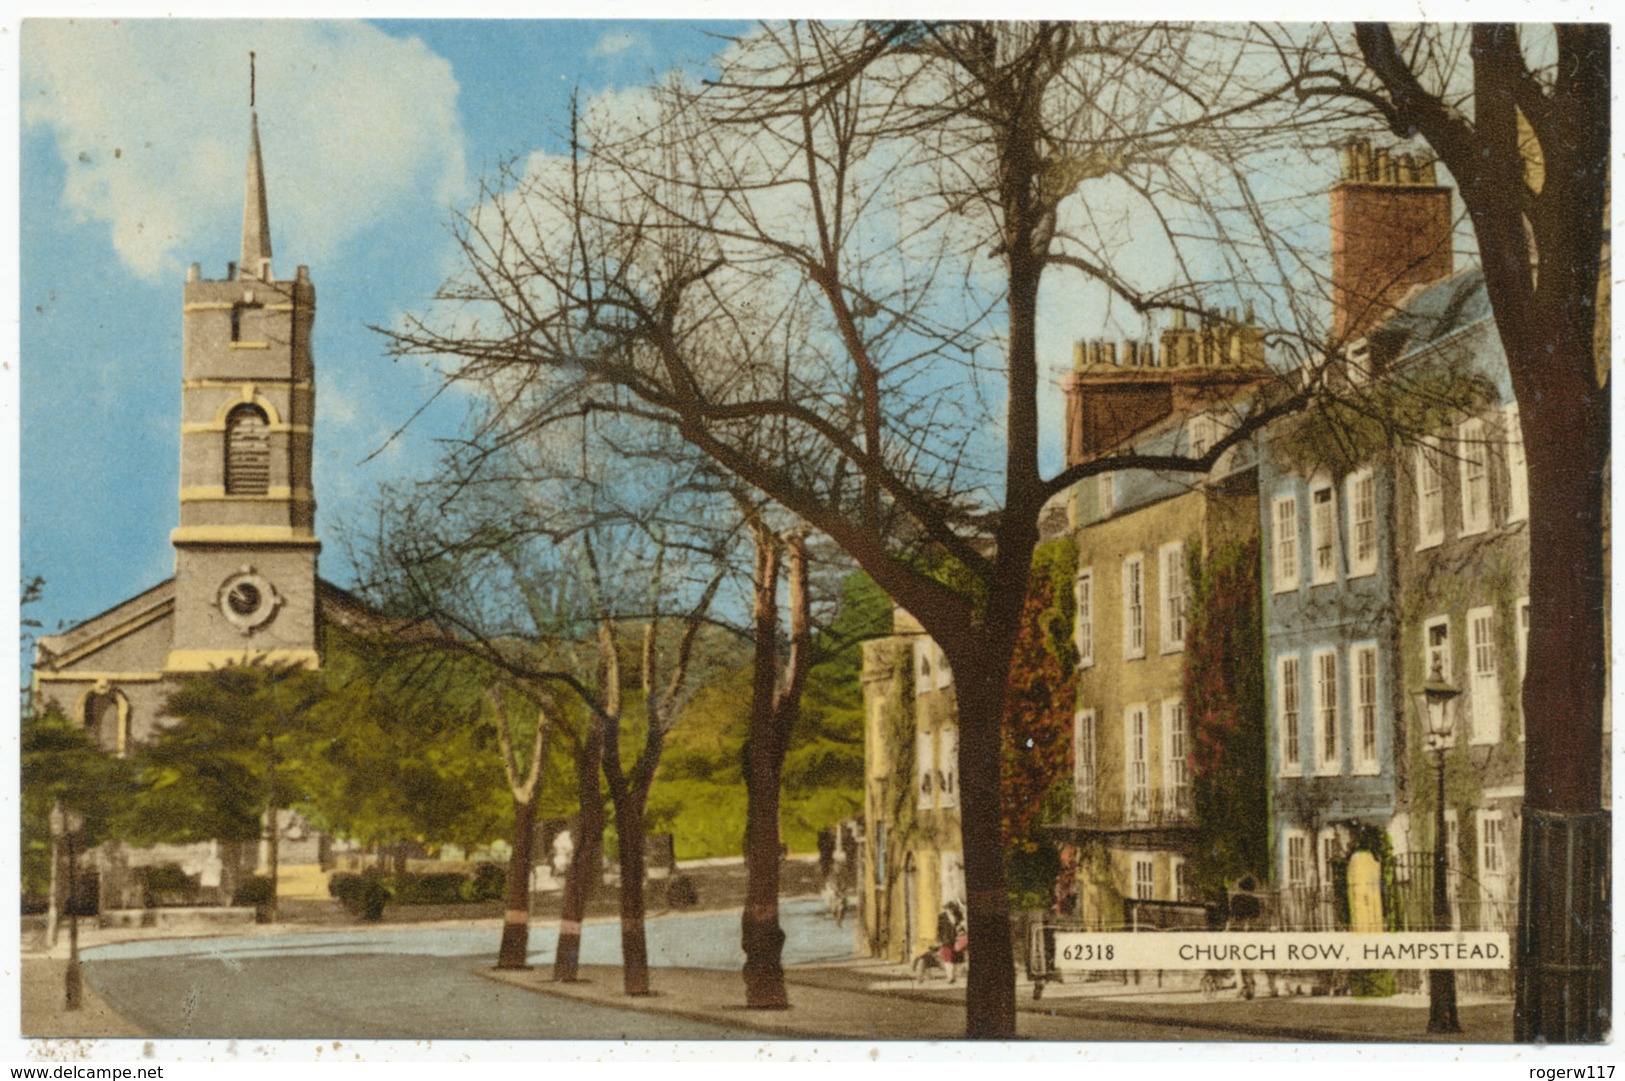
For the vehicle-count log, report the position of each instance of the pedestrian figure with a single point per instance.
(951, 938)
(826, 851)
(563, 849)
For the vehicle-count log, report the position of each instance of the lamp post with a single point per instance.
(1435, 701)
(66, 825)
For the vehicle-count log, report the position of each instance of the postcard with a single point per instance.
(857, 534)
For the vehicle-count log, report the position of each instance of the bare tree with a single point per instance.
(775, 703)
(525, 787)
(664, 675)
(824, 271)
(1520, 117)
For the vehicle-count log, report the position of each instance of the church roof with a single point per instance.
(99, 631)
(58, 652)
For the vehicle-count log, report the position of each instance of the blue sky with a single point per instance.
(132, 145)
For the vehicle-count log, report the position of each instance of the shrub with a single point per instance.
(256, 890)
(362, 895)
(442, 888)
(682, 893)
(490, 883)
(168, 878)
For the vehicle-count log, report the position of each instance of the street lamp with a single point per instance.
(65, 826)
(1434, 702)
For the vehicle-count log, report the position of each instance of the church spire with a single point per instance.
(256, 262)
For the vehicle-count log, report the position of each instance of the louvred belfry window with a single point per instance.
(248, 452)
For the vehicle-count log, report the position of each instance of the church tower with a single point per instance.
(246, 548)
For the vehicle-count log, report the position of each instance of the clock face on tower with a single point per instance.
(248, 600)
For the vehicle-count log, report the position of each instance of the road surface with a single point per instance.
(408, 983)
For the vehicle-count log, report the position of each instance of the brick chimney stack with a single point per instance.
(1112, 394)
(1391, 231)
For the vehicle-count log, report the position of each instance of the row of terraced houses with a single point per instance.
(1377, 564)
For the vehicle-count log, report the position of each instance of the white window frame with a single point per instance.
(1179, 870)
(1365, 692)
(1083, 635)
(925, 772)
(1176, 744)
(1484, 670)
(1134, 607)
(1322, 534)
(1284, 570)
(1136, 762)
(1362, 511)
(1472, 451)
(1492, 856)
(1172, 591)
(1289, 712)
(1328, 716)
(1517, 466)
(924, 665)
(951, 875)
(1325, 844)
(947, 768)
(1203, 433)
(945, 673)
(1446, 668)
(1429, 461)
(1295, 859)
(1146, 882)
(1085, 754)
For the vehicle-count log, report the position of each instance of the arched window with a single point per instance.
(248, 451)
(107, 719)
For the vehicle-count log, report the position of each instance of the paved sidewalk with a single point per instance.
(44, 1006)
(866, 1000)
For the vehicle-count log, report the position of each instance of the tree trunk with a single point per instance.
(1564, 934)
(584, 861)
(760, 933)
(990, 984)
(53, 913)
(773, 713)
(516, 917)
(629, 824)
(271, 860)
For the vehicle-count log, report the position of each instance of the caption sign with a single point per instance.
(1174, 950)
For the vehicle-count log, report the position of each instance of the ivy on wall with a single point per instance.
(1224, 694)
(1037, 732)
(1035, 770)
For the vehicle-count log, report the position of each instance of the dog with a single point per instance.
(924, 964)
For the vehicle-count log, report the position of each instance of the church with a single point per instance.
(245, 587)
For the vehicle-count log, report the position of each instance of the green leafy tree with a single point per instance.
(408, 748)
(61, 763)
(237, 755)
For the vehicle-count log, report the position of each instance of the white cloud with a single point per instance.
(150, 120)
(615, 42)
